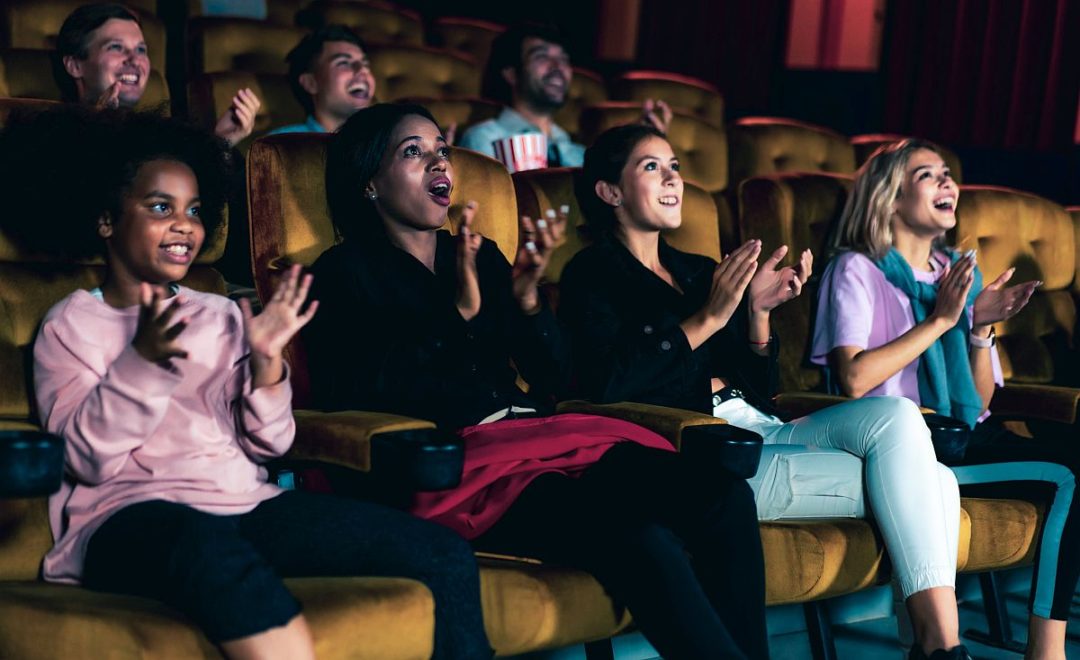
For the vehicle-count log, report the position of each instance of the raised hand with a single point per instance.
(730, 280)
(268, 332)
(772, 287)
(656, 113)
(953, 289)
(155, 336)
(450, 134)
(468, 244)
(996, 303)
(110, 98)
(239, 119)
(538, 241)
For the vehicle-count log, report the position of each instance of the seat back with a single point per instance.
(222, 44)
(282, 12)
(764, 145)
(691, 95)
(210, 95)
(586, 88)
(797, 210)
(469, 36)
(374, 23)
(464, 111)
(8, 106)
(27, 73)
(700, 146)
(866, 145)
(540, 190)
(34, 24)
(411, 71)
(290, 221)
(1017, 229)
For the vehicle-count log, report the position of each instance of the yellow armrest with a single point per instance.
(668, 422)
(1046, 402)
(344, 438)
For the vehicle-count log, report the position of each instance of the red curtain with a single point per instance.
(984, 73)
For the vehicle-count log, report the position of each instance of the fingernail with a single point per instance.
(470, 205)
(541, 224)
(530, 246)
(550, 213)
(564, 209)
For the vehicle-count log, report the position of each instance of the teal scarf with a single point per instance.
(946, 384)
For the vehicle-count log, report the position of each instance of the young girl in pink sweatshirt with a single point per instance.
(170, 400)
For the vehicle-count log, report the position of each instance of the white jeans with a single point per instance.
(914, 499)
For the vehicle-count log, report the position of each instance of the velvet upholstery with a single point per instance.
(217, 44)
(465, 111)
(691, 95)
(865, 145)
(278, 12)
(469, 36)
(375, 23)
(764, 145)
(211, 94)
(586, 88)
(403, 71)
(15, 105)
(27, 73)
(35, 24)
(540, 190)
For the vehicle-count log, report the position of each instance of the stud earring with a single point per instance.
(618, 202)
(371, 195)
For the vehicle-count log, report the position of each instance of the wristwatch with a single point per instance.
(979, 342)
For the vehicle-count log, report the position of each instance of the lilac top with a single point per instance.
(857, 306)
(135, 431)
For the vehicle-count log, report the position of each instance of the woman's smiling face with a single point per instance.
(651, 186)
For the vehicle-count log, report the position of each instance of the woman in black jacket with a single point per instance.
(655, 325)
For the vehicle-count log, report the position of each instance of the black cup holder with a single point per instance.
(31, 463)
(950, 437)
(731, 448)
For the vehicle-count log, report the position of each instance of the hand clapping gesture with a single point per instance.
(656, 113)
(730, 279)
(772, 287)
(953, 289)
(156, 335)
(538, 241)
(468, 242)
(269, 332)
(995, 303)
(239, 120)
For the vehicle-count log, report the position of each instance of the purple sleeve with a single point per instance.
(845, 312)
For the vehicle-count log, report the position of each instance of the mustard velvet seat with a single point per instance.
(421, 71)
(465, 111)
(376, 24)
(686, 93)
(468, 36)
(865, 145)
(10, 105)
(764, 145)
(209, 96)
(586, 88)
(220, 44)
(27, 73)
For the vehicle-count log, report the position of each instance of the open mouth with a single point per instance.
(128, 78)
(945, 203)
(557, 81)
(439, 189)
(180, 253)
(360, 92)
(669, 200)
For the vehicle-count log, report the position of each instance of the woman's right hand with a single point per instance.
(953, 289)
(155, 336)
(468, 297)
(730, 279)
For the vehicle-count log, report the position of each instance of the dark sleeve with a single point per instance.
(614, 361)
(731, 358)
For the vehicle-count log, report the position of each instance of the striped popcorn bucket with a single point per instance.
(527, 151)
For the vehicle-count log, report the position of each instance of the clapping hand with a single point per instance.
(730, 279)
(953, 289)
(656, 113)
(156, 335)
(996, 303)
(268, 332)
(468, 242)
(239, 119)
(538, 240)
(772, 287)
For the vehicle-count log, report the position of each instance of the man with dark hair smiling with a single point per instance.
(101, 61)
(331, 77)
(529, 70)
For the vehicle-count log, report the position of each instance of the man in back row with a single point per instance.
(102, 61)
(529, 70)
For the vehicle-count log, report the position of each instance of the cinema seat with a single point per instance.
(35, 24)
(9, 106)
(27, 73)
(371, 618)
(691, 95)
(469, 36)
(210, 95)
(219, 44)
(463, 111)
(586, 88)
(764, 145)
(283, 12)
(377, 24)
(865, 145)
(420, 71)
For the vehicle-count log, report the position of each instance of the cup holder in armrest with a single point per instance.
(31, 463)
(725, 446)
(950, 437)
(418, 459)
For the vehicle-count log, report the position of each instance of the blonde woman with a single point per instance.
(902, 314)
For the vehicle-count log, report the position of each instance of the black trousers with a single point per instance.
(677, 544)
(991, 442)
(224, 572)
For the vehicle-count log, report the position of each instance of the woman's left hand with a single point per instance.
(538, 240)
(772, 287)
(996, 303)
(268, 332)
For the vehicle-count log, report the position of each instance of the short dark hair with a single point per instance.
(604, 161)
(506, 52)
(303, 57)
(91, 157)
(74, 39)
(352, 161)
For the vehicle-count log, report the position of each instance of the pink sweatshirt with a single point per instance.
(135, 431)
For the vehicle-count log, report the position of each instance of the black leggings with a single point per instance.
(677, 544)
(223, 571)
(993, 443)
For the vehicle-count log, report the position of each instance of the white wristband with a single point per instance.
(979, 342)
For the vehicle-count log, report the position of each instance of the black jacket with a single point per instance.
(388, 337)
(623, 322)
